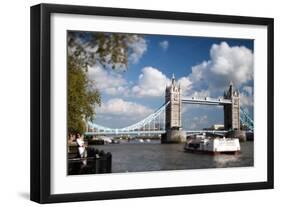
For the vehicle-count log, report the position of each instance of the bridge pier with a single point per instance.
(240, 134)
(173, 136)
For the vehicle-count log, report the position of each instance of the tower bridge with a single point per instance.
(167, 119)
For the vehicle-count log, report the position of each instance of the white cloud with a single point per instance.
(164, 45)
(246, 96)
(226, 64)
(185, 84)
(137, 47)
(197, 122)
(108, 81)
(236, 62)
(120, 107)
(207, 79)
(152, 82)
(246, 100)
(248, 90)
(201, 94)
(197, 94)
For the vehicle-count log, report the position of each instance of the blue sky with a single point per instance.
(182, 53)
(203, 66)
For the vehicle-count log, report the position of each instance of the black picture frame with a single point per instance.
(41, 95)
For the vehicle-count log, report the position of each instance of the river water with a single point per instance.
(154, 156)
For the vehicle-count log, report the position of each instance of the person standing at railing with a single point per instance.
(81, 147)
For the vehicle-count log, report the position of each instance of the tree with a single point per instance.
(108, 49)
(81, 98)
(111, 50)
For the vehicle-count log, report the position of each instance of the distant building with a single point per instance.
(217, 127)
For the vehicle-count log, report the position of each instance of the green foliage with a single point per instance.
(87, 49)
(108, 49)
(81, 98)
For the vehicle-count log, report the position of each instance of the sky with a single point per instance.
(203, 67)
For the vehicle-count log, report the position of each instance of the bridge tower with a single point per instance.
(173, 110)
(174, 131)
(232, 111)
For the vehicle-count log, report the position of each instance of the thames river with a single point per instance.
(154, 156)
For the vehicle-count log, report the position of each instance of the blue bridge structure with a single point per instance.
(167, 118)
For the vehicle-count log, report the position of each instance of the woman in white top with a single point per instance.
(81, 146)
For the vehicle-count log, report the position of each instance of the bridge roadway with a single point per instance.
(156, 132)
(206, 101)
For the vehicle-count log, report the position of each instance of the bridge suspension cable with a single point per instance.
(139, 127)
(246, 120)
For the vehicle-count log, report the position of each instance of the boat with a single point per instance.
(107, 140)
(96, 141)
(212, 145)
(115, 141)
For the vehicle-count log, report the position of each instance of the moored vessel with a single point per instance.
(212, 145)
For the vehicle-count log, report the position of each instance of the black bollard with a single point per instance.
(97, 151)
(102, 165)
(108, 162)
(91, 152)
(97, 165)
(102, 153)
